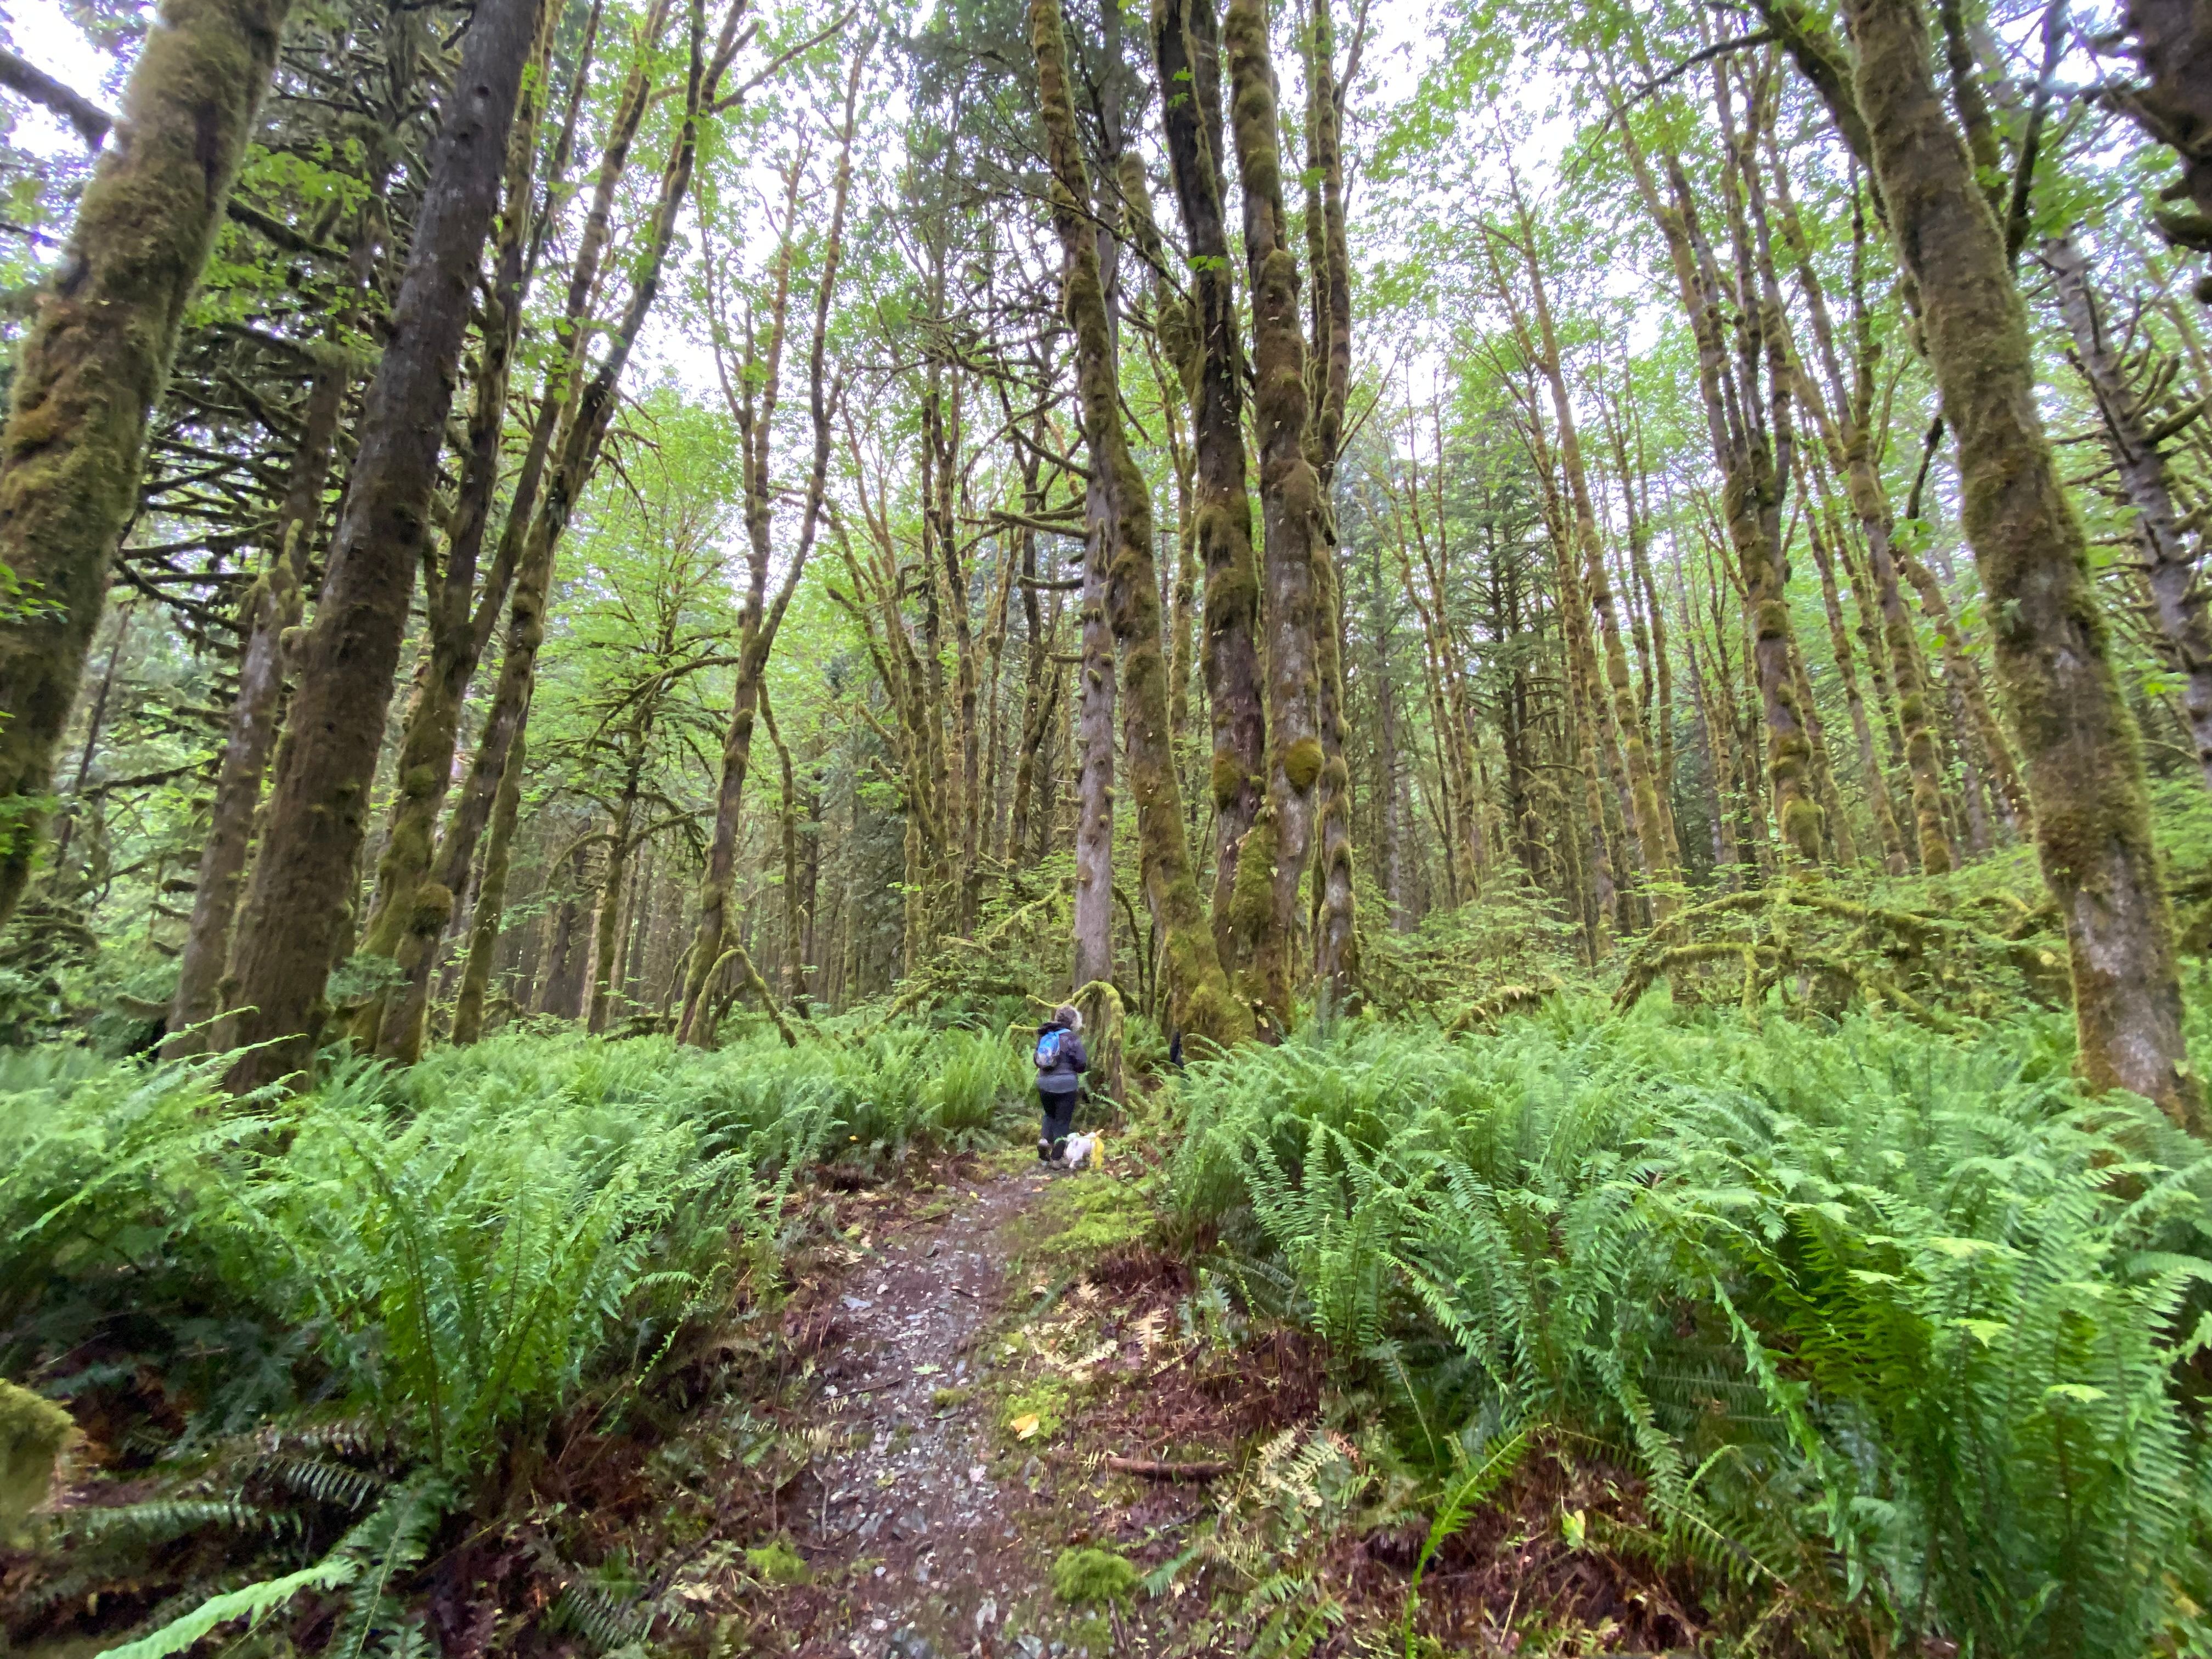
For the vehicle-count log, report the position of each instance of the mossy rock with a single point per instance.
(33, 1432)
(1092, 1577)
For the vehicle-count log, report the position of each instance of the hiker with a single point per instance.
(1060, 1064)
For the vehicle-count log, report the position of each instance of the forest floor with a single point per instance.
(984, 1344)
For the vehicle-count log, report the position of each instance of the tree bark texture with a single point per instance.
(94, 362)
(1268, 904)
(1198, 1001)
(2079, 743)
(1186, 37)
(297, 908)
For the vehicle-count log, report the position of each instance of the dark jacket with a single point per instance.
(1065, 1075)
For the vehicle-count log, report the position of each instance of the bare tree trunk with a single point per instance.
(296, 910)
(94, 362)
(2081, 752)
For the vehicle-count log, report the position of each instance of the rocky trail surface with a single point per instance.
(930, 1521)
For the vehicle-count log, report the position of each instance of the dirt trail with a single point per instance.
(909, 1506)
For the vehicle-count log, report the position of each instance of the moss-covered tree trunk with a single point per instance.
(273, 607)
(491, 902)
(296, 911)
(458, 622)
(1199, 1004)
(1186, 42)
(575, 413)
(1336, 937)
(1268, 903)
(94, 362)
(2079, 745)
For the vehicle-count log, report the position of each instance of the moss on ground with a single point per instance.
(1092, 1577)
(777, 1563)
(1082, 1219)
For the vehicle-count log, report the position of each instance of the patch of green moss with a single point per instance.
(945, 1399)
(32, 1432)
(1092, 1577)
(777, 1563)
(1082, 1219)
(1048, 1399)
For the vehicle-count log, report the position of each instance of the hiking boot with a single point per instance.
(1044, 1150)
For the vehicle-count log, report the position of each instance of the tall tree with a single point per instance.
(296, 910)
(1268, 908)
(1187, 49)
(94, 361)
(1199, 1004)
(2078, 741)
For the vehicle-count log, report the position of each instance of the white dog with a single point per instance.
(1082, 1150)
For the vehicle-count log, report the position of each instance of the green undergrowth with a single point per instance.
(315, 1332)
(1901, 1337)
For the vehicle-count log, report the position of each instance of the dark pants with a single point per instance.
(1058, 1118)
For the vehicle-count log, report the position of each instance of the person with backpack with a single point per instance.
(1061, 1063)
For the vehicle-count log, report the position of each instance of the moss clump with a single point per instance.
(1302, 764)
(1047, 1400)
(1082, 1220)
(945, 1399)
(1092, 1577)
(32, 1432)
(777, 1563)
(1229, 777)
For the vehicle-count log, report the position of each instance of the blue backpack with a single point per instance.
(1047, 1048)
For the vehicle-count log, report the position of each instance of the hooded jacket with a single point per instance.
(1065, 1075)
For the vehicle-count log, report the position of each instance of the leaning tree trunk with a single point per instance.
(588, 409)
(296, 911)
(1268, 908)
(2078, 742)
(1185, 36)
(1198, 1001)
(453, 612)
(94, 363)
